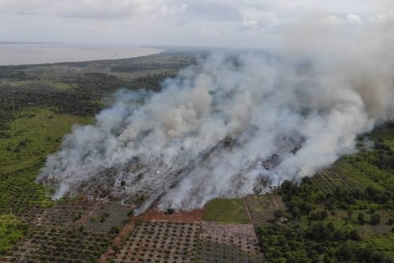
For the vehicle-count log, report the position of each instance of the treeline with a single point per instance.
(99, 84)
(85, 100)
(14, 99)
(13, 74)
(151, 82)
(319, 242)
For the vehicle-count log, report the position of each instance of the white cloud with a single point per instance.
(354, 19)
(250, 23)
(237, 23)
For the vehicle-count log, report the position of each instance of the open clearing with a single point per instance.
(226, 211)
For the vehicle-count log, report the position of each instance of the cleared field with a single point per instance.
(153, 215)
(227, 211)
(160, 242)
(263, 207)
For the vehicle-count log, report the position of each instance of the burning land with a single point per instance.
(202, 157)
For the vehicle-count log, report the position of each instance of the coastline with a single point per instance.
(31, 54)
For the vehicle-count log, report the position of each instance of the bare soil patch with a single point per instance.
(154, 215)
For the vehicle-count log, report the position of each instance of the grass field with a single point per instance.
(32, 136)
(226, 211)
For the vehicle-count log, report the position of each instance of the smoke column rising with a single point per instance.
(234, 123)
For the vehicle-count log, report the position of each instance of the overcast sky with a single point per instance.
(228, 23)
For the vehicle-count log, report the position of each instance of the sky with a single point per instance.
(213, 23)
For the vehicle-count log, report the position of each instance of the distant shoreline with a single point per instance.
(14, 54)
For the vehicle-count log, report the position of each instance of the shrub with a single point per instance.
(114, 230)
(170, 211)
(375, 219)
(361, 218)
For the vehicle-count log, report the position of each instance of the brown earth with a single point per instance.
(154, 215)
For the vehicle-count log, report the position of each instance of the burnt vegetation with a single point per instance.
(345, 213)
(38, 106)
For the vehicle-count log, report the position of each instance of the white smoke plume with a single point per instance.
(234, 124)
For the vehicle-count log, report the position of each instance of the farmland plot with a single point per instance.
(208, 252)
(109, 215)
(344, 175)
(65, 214)
(240, 238)
(160, 242)
(58, 245)
(227, 211)
(263, 207)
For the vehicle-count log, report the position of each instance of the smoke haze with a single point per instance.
(235, 124)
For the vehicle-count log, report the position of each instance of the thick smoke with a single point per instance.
(234, 124)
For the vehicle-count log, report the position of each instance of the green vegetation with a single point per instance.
(54, 245)
(39, 104)
(55, 85)
(344, 214)
(226, 211)
(318, 229)
(11, 231)
(265, 209)
(23, 150)
(159, 242)
(108, 218)
(214, 252)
